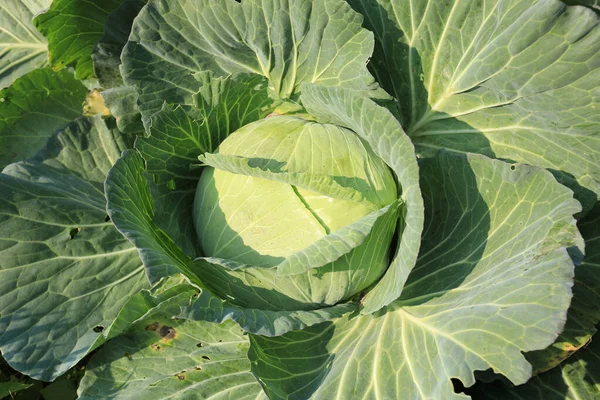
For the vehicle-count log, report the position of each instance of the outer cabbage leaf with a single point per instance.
(107, 51)
(72, 28)
(22, 47)
(511, 79)
(132, 209)
(159, 357)
(288, 42)
(178, 137)
(584, 314)
(173, 292)
(384, 134)
(33, 108)
(65, 271)
(493, 280)
(575, 379)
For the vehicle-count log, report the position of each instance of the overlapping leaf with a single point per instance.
(272, 170)
(22, 47)
(142, 304)
(577, 376)
(510, 79)
(178, 137)
(132, 209)
(384, 134)
(65, 271)
(584, 313)
(288, 42)
(264, 322)
(33, 108)
(493, 279)
(107, 51)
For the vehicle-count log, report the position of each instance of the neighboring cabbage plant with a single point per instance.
(296, 199)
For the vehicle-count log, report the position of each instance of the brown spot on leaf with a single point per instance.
(153, 326)
(570, 348)
(198, 368)
(94, 105)
(181, 376)
(73, 232)
(167, 332)
(155, 346)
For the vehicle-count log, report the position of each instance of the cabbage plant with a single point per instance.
(293, 199)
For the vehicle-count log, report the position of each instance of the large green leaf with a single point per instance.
(65, 271)
(584, 313)
(511, 79)
(72, 28)
(288, 42)
(578, 376)
(162, 358)
(493, 280)
(33, 108)
(22, 48)
(575, 379)
(384, 134)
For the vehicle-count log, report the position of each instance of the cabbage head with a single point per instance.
(302, 182)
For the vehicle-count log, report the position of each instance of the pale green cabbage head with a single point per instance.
(322, 178)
